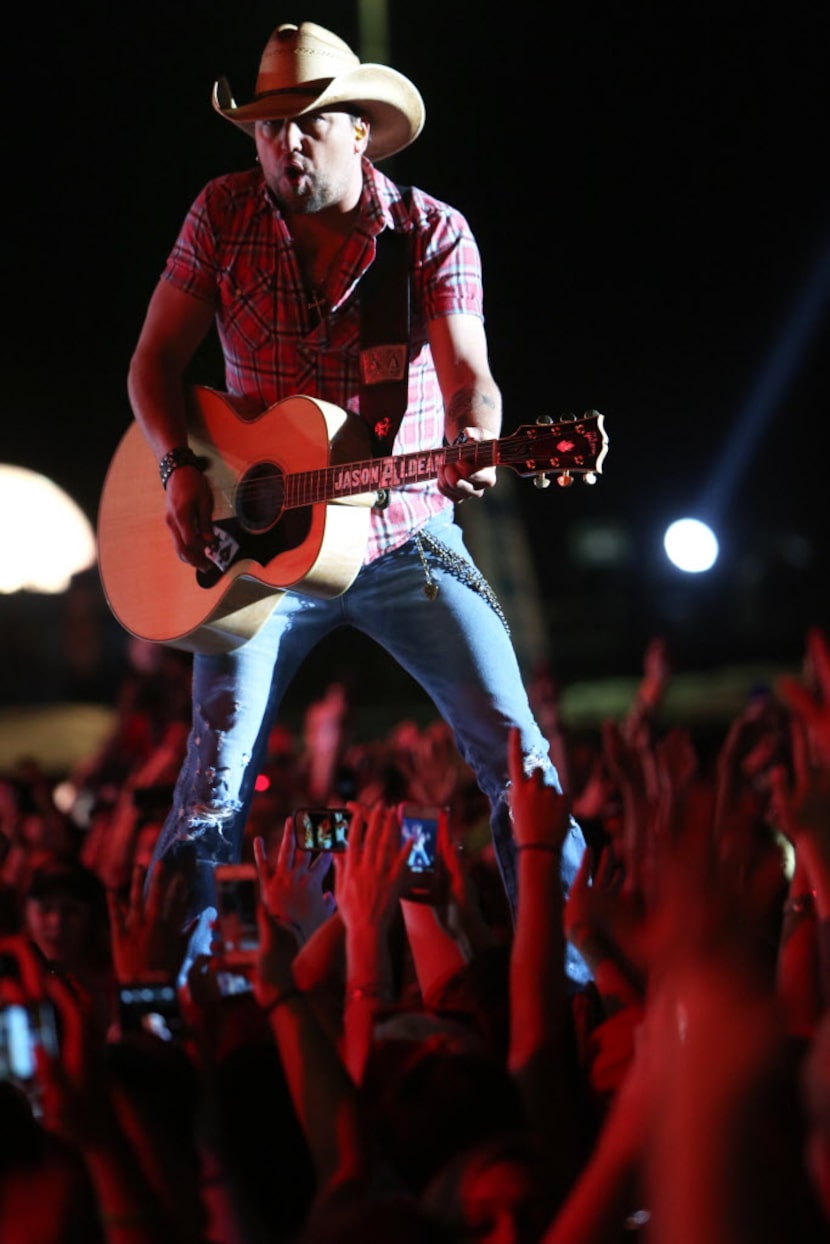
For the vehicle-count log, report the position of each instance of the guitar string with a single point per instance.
(309, 486)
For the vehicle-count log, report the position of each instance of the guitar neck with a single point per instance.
(373, 474)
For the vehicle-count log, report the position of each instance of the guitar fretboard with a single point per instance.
(373, 474)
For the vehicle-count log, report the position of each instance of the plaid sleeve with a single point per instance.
(449, 263)
(192, 266)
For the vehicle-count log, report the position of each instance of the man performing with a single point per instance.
(280, 258)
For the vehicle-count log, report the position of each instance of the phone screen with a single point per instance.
(322, 829)
(419, 826)
(25, 1028)
(237, 895)
(150, 1008)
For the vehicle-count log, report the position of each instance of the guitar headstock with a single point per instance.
(575, 445)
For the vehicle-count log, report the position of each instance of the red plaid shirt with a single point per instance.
(235, 251)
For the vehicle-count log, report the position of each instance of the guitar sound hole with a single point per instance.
(259, 497)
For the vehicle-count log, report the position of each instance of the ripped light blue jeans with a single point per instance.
(455, 646)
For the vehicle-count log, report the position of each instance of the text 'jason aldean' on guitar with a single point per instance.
(292, 492)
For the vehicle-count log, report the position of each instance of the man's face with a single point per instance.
(312, 162)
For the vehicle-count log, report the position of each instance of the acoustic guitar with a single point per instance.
(292, 490)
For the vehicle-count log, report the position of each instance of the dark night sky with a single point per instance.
(650, 188)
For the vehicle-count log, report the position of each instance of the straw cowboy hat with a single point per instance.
(308, 69)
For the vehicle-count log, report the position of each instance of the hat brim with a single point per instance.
(393, 105)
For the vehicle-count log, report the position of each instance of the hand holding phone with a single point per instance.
(421, 825)
(150, 1007)
(237, 897)
(28, 1020)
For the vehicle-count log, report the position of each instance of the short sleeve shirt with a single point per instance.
(236, 252)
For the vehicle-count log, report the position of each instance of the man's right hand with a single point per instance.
(189, 515)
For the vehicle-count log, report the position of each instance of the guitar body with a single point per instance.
(292, 491)
(317, 548)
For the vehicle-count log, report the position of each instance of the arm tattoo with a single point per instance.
(461, 411)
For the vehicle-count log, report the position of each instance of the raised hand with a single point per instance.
(371, 874)
(370, 877)
(73, 1085)
(540, 813)
(291, 886)
(806, 812)
(721, 1036)
(324, 736)
(809, 697)
(651, 691)
(460, 913)
(631, 766)
(148, 930)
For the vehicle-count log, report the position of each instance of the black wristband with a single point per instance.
(287, 995)
(179, 456)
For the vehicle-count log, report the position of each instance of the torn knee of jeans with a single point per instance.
(536, 761)
(209, 827)
(216, 813)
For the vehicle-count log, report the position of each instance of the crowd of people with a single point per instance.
(601, 1013)
(401, 1065)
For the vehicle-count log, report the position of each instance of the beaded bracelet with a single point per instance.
(179, 456)
(287, 995)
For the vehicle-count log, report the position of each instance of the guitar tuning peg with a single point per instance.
(565, 479)
(543, 420)
(541, 481)
(567, 416)
(589, 478)
(591, 414)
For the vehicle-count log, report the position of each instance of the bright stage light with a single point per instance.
(691, 545)
(46, 538)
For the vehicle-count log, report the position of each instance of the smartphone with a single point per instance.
(25, 1028)
(420, 825)
(237, 897)
(321, 829)
(150, 1008)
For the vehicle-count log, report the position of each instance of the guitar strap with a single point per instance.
(384, 338)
